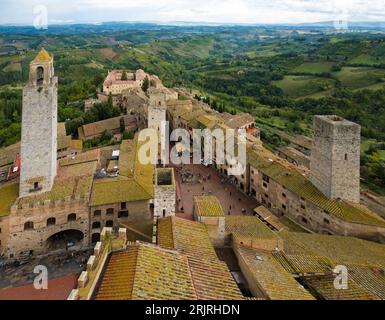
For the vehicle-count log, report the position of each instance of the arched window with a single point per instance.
(96, 225)
(109, 224)
(51, 222)
(97, 213)
(28, 225)
(39, 75)
(71, 217)
(110, 211)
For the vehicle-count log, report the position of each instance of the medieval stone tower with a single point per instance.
(156, 111)
(335, 158)
(39, 127)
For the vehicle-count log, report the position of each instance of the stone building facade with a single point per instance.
(39, 124)
(335, 158)
(34, 227)
(331, 208)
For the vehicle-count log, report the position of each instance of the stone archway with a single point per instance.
(64, 239)
(95, 237)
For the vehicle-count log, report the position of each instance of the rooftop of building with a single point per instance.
(338, 249)
(146, 272)
(311, 258)
(210, 276)
(294, 154)
(135, 180)
(272, 279)
(115, 77)
(247, 227)
(179, 111)
(97, 128)
(72, 181)
(335, 120)
(240, 120)
(188, 116)
(270, 218)
(300, 185)
(8, 154)
(299, 140)
(208, 206)
(42, 56)
(207, 121)
(9, 194)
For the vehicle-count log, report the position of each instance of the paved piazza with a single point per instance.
(206, 181)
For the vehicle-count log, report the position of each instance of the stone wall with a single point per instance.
(335, 158)
(34, 240)
(4, 234)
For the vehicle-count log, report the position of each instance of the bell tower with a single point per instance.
(39, 128)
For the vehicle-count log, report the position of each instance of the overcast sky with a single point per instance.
(231, 11)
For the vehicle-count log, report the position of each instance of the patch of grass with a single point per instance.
(354, 78)
(366, 59)
(300, 86)
(314, 67)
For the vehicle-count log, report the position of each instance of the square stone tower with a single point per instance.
(335, 158)
(164, 193)
(157, 110)
(39, 128)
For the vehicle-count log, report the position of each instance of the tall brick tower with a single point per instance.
(335, 158)
(39, 127)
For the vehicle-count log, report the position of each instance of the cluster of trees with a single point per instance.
(10, 117)
(98, 112)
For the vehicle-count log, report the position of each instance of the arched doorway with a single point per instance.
(64, 239)
(95, 237)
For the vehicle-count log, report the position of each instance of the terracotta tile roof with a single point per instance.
(296, 155)
(88, 156)
(271, 278)
(76, 144)
(207, 121)
(211, 277)
(299, 140)
(270, 218)
(208, 206)
(304, 263)
(240, 120)
(369, 278)
(67, 185)
(8, 154)
(338, 249)
(146, 272)
(97, 128)
(324, 286)
(298, 184)
(179, 111)
(135, 180)
(248, 227)
(186, 236)
(192, 115)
